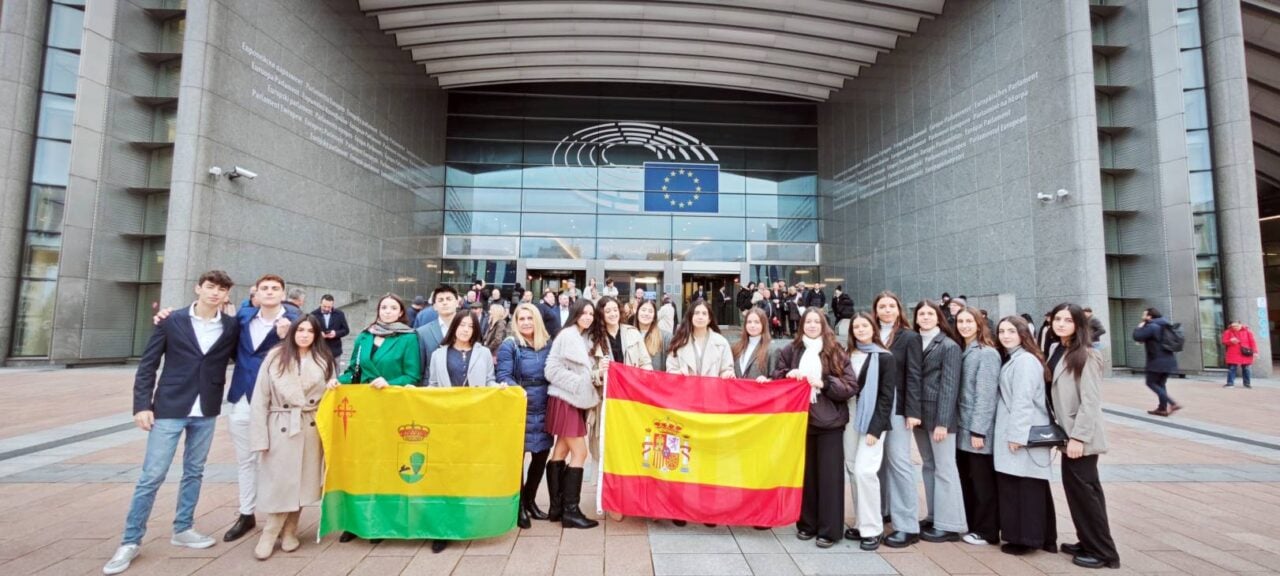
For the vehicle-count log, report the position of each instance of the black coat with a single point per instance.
(337, 323)
(743, 300)
(187, 371)
(550, 317)
(884, 391)
(831, 411)
(1159, 360)
(908, 357)
(843, 306)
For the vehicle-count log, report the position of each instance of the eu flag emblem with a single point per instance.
(681, 187)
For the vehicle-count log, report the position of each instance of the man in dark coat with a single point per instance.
(743, 299)
(550, 316)
(334, 323)
(1160, 362)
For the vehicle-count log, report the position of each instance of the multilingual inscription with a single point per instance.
(329, 124)
(934, 147)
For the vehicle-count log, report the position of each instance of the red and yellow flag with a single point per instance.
(703, 449)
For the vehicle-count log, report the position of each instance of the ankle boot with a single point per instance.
(243, 525)
(522, 515)
(289, 535)
(267, 542)
(571, 489)
(555, 485)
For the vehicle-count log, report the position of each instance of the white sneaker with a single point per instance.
(121, 560)
(191, 539)
(974, 539)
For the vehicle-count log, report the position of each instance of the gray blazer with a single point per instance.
(753, 371)
(940, 383)
(660, 359)
(979, 385)
(479, 368)
(1078, 403)
(429, 337)
(1021, 406)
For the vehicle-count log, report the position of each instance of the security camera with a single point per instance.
(1046, 197)
(216, 172)
(1063, 193)
(238, 172)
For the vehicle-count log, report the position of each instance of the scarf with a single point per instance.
(383, 329)
(866, 406)
(811, 364)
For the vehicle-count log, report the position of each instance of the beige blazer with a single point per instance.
(717, 359)
(1077, 404)
(282, 428)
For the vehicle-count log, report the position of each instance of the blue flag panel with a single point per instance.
(681, 187)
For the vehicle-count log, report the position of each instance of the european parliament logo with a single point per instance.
(681, 187)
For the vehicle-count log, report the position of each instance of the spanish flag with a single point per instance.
(703, 449)
(421, 462)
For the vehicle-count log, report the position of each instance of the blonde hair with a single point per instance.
(540, 336)
(497, 313)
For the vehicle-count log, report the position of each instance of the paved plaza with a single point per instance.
(1195, 494)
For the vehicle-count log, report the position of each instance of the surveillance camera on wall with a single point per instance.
(216, 172)
(238, 172)
(1046, 197)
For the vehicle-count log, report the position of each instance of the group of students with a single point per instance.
(970, 401)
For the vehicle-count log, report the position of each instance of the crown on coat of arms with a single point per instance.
(413, 432)
(667, 427)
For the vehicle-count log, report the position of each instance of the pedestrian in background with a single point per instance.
(1241, 349)
(1161, 359)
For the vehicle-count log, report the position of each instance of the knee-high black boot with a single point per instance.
(555, 486)
(537, 463)
(572, 488)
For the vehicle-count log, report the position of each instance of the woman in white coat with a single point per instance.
(697, 348)
(283, 431)
(1027, 519)
(569, 372)
(461, 360)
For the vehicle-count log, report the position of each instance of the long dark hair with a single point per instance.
(684, 332)
(1077, 354)
(833, 356)
(576, 309)
(1026, 342)
(599, 331)
(403, 319)
(983, 337)
(452, 337)
(875, 331)
(899, 324)
(943, 325)
(291, 355)
(762, 349)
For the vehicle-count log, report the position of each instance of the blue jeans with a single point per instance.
(162, 442)
(1231, 374)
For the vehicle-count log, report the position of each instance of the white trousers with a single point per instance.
(246, 459)
(862, 467)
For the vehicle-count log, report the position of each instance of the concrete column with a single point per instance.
(22, 27)
(1234, 179)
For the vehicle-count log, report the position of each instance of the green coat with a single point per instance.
(397, 360)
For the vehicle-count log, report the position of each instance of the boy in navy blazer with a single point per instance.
(194, 344)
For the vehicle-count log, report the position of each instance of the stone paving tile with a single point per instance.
(693, 544)
(427, 563)
(912, 563)
(499, 546)
(380, 565)
(588, 542)
(838, 564)
(700, 565)
(627, 556)
(772, 565)
(580, 566)
(534, 555)
(752, 541)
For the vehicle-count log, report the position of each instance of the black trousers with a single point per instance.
(1088, 507)
(537, 465)
(1026, 512)
(822, 502)
(1158, 382)
(981, 505)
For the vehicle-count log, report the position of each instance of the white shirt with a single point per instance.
(326, 319)
(564, 316)
(444, 327)
(207, 333)
(259, 327)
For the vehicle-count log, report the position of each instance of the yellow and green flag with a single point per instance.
(439, 463)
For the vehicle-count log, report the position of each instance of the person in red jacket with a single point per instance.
(1241, 347)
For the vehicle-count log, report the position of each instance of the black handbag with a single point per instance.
(1246, 351)
(1050, 435)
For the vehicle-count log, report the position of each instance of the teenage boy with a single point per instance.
(444, 300)
(194, 345)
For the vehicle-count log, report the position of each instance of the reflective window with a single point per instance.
(61, 69)
(480, 175)
(571, 225)
(708, 228)
(1198, 150)
(1189, 29)
(1201, 184)
(708, 251)
(41, 257)
(1206, 233)
(53, 160)
(1195, 109)
(1192, 69)
(66, 26)
(152, 260)
(45, 206)
(782, 206)
(782, 229)
(572, 248)
(576, 201)
(56, 116)
(628, 249)
(1210, 276)
(634, 226)
(34, 323)
(772, 252)
(482, 199)
(1212, 324)
(482, 223)
(464, 246)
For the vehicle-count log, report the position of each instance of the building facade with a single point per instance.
(1019, 153)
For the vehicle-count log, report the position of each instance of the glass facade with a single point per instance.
(1200, 163)
(42, 240)
(560, 172)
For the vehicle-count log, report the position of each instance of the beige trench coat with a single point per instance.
(282, 429)
(633, 354)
